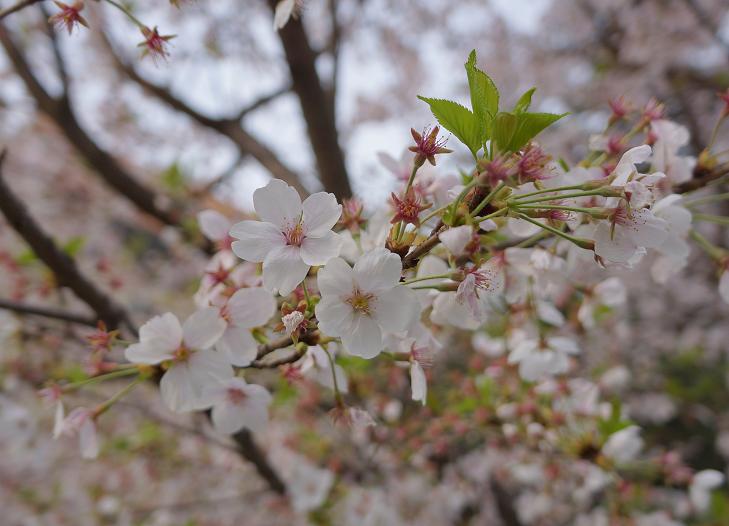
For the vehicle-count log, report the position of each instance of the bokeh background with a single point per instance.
(328, 102)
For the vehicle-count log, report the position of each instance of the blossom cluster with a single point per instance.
(521, 250)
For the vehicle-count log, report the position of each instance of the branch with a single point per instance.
(111, 172)
(56, 314)
(262, 101)
(17, 7)
(246, 143)
(253, 454)
(707, 22)
(702, 178)
(63, 267)
(316, 107)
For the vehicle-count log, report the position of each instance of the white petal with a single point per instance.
(283, 270)
(317, 251)
(238, 345)
(203, 328)
(146, 353)
(617, 247)
(365, 338)
(257, 240)
(88, 440)
(456, 239)
(251, 307)
(283, 12)
(162, 332)
(336, 278)
(321, 213)
(213, 224)
(645, 229)
(186, 386)
(335, 317)
(418, 383)
(378, 269)
(277, 203)
(395, 309)
(724, 286)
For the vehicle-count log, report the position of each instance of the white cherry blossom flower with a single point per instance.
(627, 234)
(456, 239)
(238, 405)
(214, 226)
(624, 445)
(701, 487)
(480, 286)
(538, 361)
(246, 309)
(81, 422)
(193, 367)
(360, 304)
(291, 236)
(674, 251)
(670, 138)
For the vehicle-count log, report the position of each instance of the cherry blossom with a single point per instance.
(193, 367)
(624, 446)
(237, 405)
(538, 360)
(628, 234)
(80, 422)
(359, 304)
(701, 486)
(291, 237)
(246, 309)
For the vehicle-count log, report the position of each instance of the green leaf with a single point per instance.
(524, 101)
(505, 125)
(529, 126)
(457, 120)
(484, 96)
(74, 245)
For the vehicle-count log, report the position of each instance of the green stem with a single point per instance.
(126, 12)
(487, 199)
(433, 214)
(337, 394)
(708, 199)
(425, 278)
(719, 220)
(126, 371)
(556, 207)
(587, 193)
(499, 212)
(306, 294)
(716, 253)
(411, 179)
(548, 190)
(118, 396)
(582, 243)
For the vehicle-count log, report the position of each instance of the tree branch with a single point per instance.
(63, 267)
(316, 107)
(46, 312)
(262, 101)
(111, 172)
(17, 7)
(246, 143)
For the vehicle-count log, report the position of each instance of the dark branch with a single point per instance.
(17, 7)
(261, 101)
(60, 111)
(64, 268)
(246, 143)
(46, 312)
(316, 107)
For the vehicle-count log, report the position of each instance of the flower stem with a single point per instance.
(118, 396)
(126, 12)
(119, 373)
(716, 253)
(424, 278)
(582, 243)
(487, 199)
(337, 394)
(719, 220)
(602, 191)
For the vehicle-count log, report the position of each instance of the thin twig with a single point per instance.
(47, 312)
(17, 7)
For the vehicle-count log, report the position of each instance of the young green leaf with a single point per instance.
(522, 105)
(505, 125)
(484, 95)
(457, 120)
(529, 126)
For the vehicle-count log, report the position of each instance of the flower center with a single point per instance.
(360, 301)
(235, 395)
(182, 354)
(294, 235)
